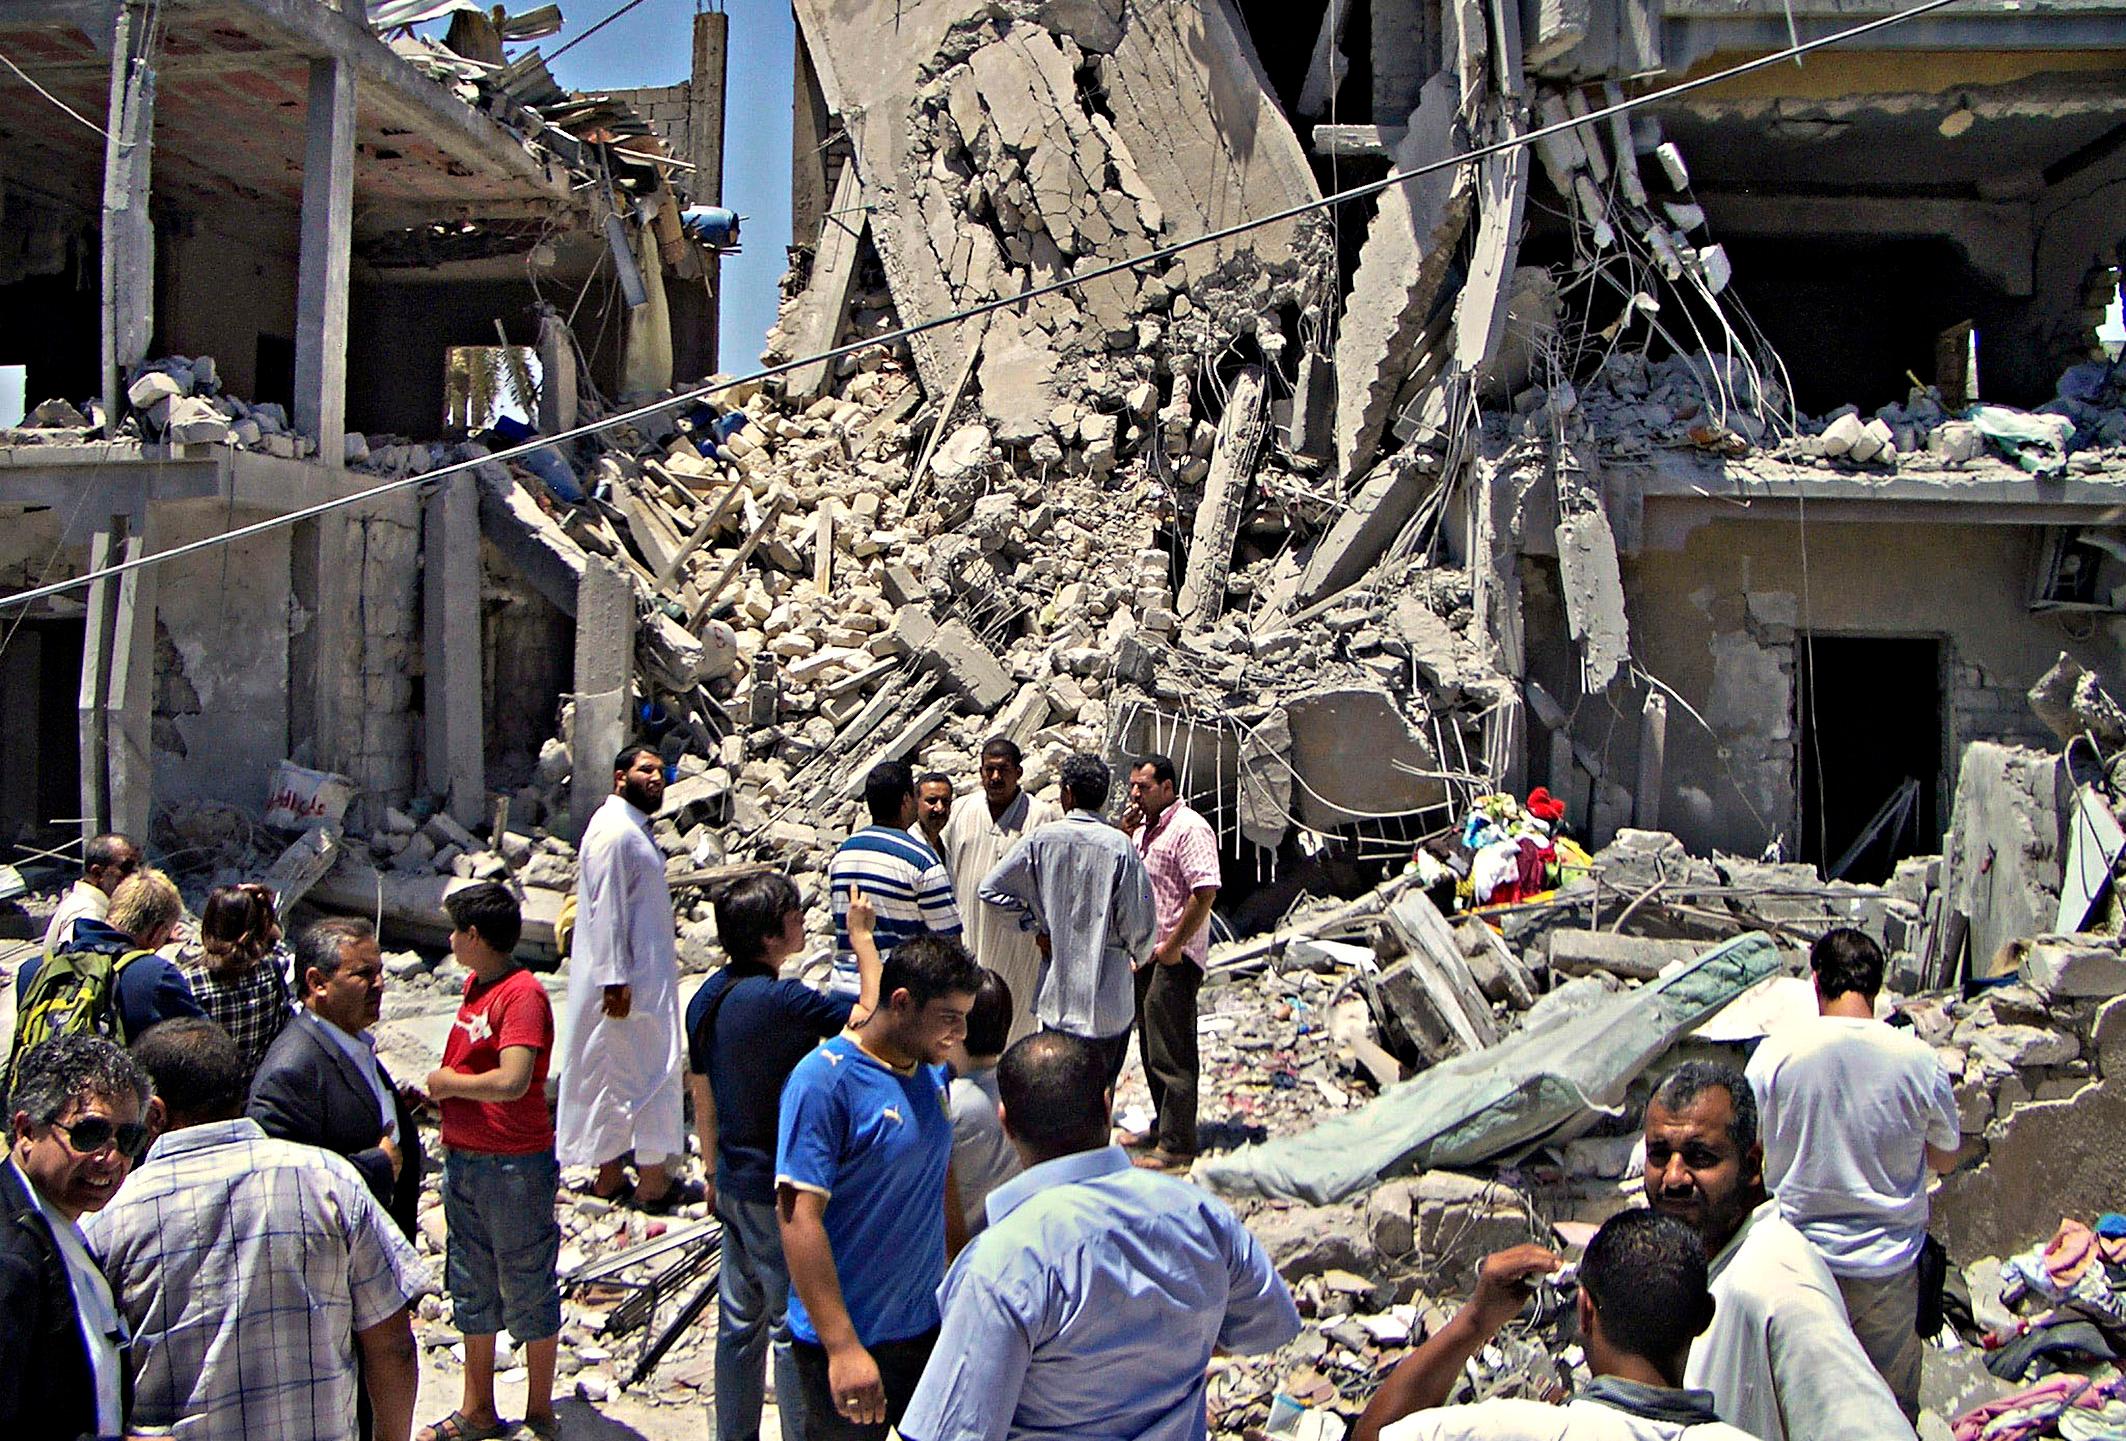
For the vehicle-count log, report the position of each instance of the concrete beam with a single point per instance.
(1376, 514)
(1326, 71)
(1359, 142)
(1400, 269)
(605, 658)
(1691, 30)
(322, 268)
(454, 719)
(825, 303)
(705, 100)
(1225, 490)
(1401, 57)
(130, 699)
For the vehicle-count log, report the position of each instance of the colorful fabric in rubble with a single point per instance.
(2043, 1409)
(1514, 851)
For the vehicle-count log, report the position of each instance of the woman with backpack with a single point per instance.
(236, 971)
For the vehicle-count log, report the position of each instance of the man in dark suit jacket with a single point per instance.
(321, 1083)
(77, 1128)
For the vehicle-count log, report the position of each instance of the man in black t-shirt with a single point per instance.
(746, 1031)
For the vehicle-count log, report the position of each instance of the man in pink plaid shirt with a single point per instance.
(1180, 850)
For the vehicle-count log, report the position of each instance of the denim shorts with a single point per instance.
(504, 1241)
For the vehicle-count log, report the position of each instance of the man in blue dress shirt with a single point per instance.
(1091, 1305)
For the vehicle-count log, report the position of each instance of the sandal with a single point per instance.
(546, 1428)
(679, 1193)
(455, 1427)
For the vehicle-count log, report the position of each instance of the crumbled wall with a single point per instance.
(221, 682)
(1717, 619)
(384, 724)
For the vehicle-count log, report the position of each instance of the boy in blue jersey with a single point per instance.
(865, 1196)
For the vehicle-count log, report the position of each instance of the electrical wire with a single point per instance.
(988, 307)
(23, 76)
(631, 4)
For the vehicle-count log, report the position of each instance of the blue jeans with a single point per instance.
(504, 1243)
(752, 1318)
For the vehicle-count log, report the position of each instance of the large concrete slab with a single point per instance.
(930, 90)
(1400, 271)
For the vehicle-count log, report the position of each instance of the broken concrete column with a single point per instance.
(455, 724)
(1653, 754)
(118, 687)
(1225, 490)
(1405, 259)
(605, 650)
(324, 259)
(1594, 596)
(825, 302)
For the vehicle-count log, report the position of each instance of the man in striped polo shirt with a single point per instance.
(902, 877)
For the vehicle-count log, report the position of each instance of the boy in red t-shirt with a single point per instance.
(499, 1174)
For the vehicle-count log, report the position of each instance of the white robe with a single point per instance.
(973, 844)
(620, 1079)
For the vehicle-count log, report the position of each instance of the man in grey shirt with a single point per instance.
(983, 1157)
(1081, 889)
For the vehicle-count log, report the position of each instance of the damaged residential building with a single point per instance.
(1727, 465)
(258, 255)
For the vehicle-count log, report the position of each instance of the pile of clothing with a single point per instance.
(2070, 1298)
(1506, 851)
(2078, 1408)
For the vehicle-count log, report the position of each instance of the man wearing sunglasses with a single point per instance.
(75, 1131)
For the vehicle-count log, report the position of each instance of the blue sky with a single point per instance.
(653, 45)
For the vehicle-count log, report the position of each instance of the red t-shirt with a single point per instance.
(512, 1011)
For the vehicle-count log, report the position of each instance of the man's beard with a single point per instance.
(634, 793)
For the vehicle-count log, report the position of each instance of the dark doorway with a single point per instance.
(1871, 752)
(40, 730)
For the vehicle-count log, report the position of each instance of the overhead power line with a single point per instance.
(1165, 252)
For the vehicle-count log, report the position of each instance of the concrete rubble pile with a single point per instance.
(178, 401)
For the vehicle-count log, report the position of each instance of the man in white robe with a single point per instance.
(984, 826)
(621, 1053)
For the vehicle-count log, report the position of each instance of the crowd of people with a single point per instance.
(929, 1221)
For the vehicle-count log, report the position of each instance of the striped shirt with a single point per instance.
(244, 1266)
(906, 884)
(1180, 850)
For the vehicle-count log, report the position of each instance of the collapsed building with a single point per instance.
(1588, 464)
(244, 246)
(1739, 469)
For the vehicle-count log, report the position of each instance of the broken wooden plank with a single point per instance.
(761, 532)
(733, 491)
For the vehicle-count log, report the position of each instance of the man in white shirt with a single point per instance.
(105, 861)
(983, 828)
(1780, 1357)
(1856, 1113)
(1642, 1298)
(622, 1054)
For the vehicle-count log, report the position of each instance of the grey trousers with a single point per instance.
(1883, 1310)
